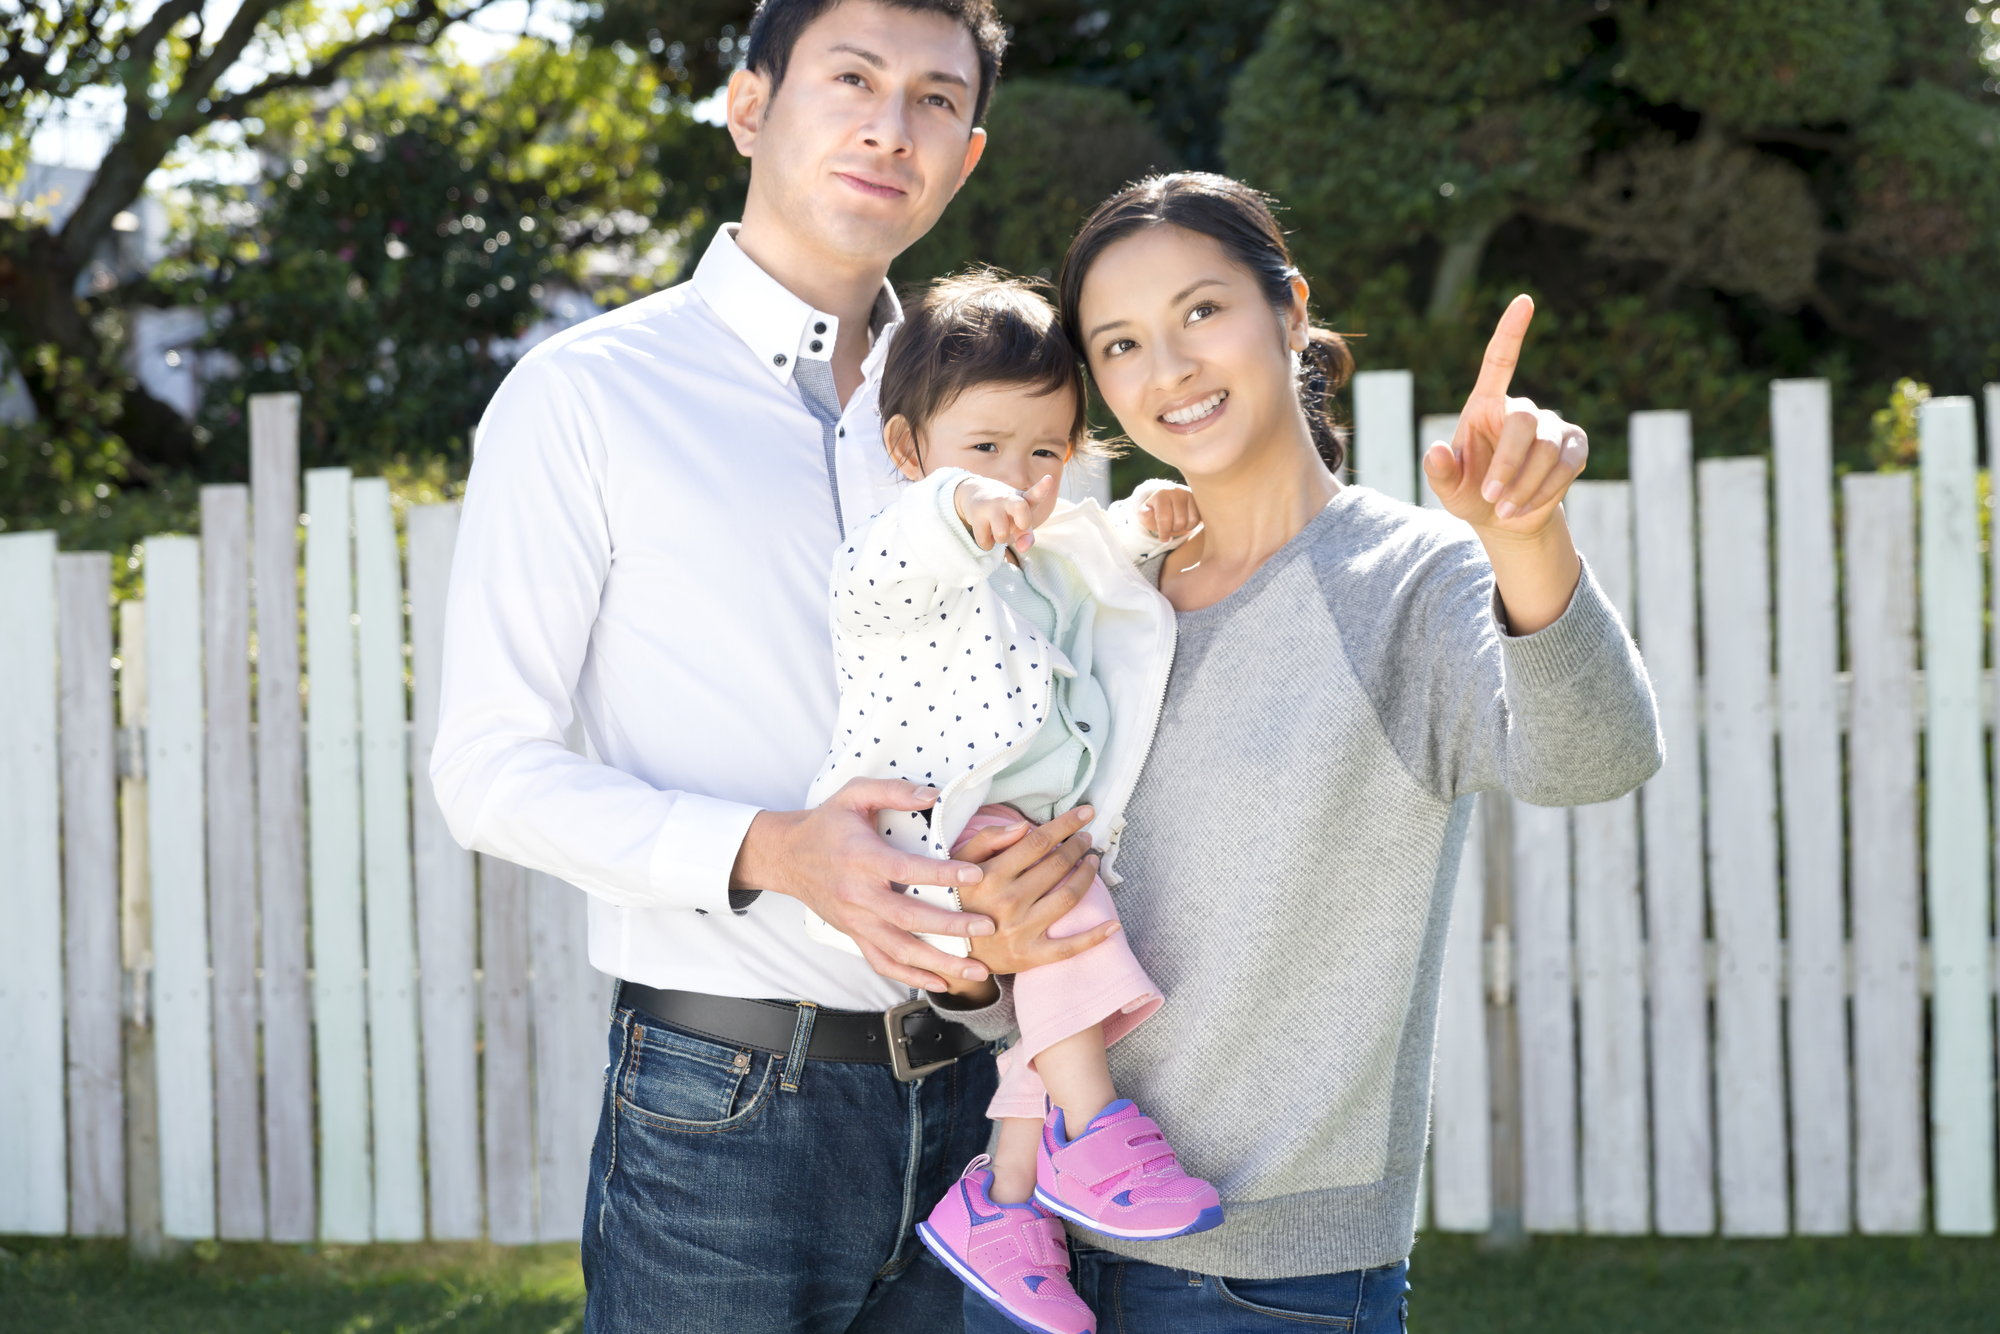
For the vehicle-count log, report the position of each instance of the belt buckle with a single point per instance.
(899, 1042)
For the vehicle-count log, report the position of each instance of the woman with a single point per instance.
(1349, 671)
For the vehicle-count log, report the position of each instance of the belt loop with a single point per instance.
(802, 1037)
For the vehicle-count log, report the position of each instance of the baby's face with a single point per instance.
(1003, 431)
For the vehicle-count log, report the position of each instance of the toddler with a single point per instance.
(1001, 645)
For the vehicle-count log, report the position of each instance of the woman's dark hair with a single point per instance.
(979, 328)
(775, 29)
(1240, 220)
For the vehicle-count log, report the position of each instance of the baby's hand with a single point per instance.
(997, 514)
(1170, 513)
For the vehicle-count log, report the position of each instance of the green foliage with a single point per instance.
(1760, 62)
(1703, 194)
(1894, 438)
(412, 228)
(1054, 152)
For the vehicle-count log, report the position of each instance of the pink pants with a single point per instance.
(1104, 984)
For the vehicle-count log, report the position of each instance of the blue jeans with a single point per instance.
(1133, 1297)
(731, 1190)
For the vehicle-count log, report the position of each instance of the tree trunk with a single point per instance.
(1457, 269)
(38, 279)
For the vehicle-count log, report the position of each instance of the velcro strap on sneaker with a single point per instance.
(1129, 1145)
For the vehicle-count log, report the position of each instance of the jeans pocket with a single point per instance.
(675, 1082)
(1299, 1301)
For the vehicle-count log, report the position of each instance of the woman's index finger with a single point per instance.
(1503, 350)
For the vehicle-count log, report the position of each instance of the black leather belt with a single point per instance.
(911, 1039)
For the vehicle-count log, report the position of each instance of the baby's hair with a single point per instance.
(981, 327)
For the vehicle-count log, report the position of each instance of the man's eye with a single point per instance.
(854, 79)
(939, 99)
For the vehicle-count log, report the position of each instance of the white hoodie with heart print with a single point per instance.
(942, 683)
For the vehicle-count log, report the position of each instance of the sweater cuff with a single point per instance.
(990, 1022)
(1558, 651)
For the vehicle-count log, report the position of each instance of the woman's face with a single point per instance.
(1188, 352)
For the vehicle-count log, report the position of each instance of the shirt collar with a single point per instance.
(776, 325)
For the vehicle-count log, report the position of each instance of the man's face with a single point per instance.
(870, 134)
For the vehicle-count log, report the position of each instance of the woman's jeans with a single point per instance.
(1133, 1297)
(731, 1190)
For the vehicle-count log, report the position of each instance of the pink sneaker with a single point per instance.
(1120, 1177)
(1013, 1255)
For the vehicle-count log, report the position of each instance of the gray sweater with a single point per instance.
(1289, 855)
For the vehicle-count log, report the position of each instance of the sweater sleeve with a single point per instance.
(907, 566)
(989, 1022)
(1561, 717)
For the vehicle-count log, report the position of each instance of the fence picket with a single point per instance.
(92, 970)
(1809, 753)
(1882, 781)
(1956, 846)
(1742, 846)
(34, 1146)
(281, 822)
(394, 1078)
(176, 840)
(1611, 992)
(232, 861)
(569, 1000)
(445, 935)
(333, 788)
(1662, 468)
(509, 1121)
(1546, 1005)
(1461, 1121)
(1385, 453)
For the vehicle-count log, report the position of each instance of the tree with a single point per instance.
(410, 230)
(179, 66)
(1799, 189)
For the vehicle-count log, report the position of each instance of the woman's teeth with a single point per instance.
(1194, 412)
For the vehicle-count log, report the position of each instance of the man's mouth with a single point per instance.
(1194, 412)
(873, 188)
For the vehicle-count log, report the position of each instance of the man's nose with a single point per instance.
(887, 128)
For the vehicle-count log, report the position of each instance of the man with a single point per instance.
(649, 527)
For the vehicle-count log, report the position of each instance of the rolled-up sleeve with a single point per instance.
(534, 550)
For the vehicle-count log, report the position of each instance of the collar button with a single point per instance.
(820, 327)
(778, 360)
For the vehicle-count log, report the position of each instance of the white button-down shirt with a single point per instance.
(645, 550)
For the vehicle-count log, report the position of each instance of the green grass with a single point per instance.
(1556, 1286)
(1599, 1285)
(55, 1287)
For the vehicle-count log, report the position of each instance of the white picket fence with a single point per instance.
(1720, 1000)
(411, 1049)
(1695, 1008)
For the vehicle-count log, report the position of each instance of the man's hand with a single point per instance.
(996, 514)
(832, 860)
(1034, 875)
(1170, 513)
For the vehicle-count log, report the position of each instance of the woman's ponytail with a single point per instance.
(1323, 369)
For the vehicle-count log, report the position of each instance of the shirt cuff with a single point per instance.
(696, 851)
(990, 1022)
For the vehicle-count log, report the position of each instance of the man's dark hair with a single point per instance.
(974, 329)
(775, 30)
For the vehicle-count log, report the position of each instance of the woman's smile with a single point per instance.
(1189, 417)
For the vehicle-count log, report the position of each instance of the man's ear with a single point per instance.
(901, 441)
(975, 148)
(749, 98)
